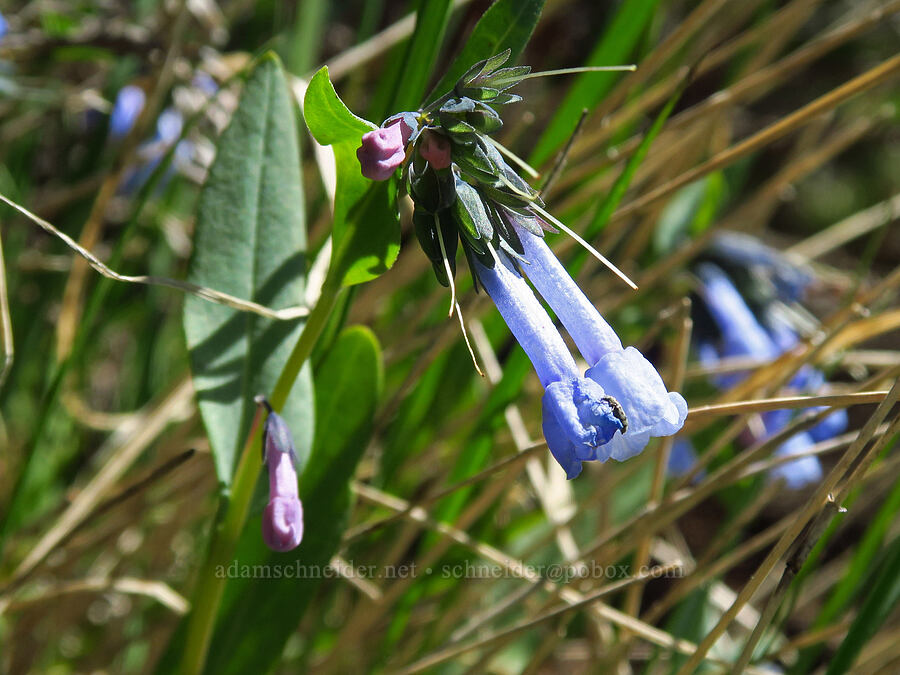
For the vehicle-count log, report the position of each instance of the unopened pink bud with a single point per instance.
(435, 149)
(282, 522)
(383, 150)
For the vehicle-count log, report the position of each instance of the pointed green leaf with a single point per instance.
(366, 224)
(507, 24)
(250, 241)
(470, 211)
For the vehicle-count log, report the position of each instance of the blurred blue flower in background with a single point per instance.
(789, 278)
(739, 333)
(4, 26)
(682, 458)
(127, 108)
(169, 126)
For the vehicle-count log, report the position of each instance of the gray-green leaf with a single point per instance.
(250, 241)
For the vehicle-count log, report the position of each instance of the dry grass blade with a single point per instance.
(790, 536)
(680, 353)
(762, 405)
(209, 294)
(455, 651)
(126, 445)
(157, 590)
(848, 229)
(872, 78)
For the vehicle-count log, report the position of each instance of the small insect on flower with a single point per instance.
(282, 522)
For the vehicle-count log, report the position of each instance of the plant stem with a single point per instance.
(210, 586)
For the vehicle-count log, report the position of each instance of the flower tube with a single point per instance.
(579, 418)
(623, 373)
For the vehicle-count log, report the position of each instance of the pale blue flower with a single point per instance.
(579, 418)
(126, 109)
(743, 335)
(789, 278)
(624, 374)
(682, 458)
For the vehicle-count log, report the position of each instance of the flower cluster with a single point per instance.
(727, 327)
(282, 522)
(466, 194)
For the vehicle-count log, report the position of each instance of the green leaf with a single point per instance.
(882, 599)
(250, 241)
(470, 212)
(614, 48)
(329, 120)
(507, 24)
(258, 616)
(366, 223)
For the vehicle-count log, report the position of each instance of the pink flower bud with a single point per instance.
(383, 150)
(282, 522)
(435, 149)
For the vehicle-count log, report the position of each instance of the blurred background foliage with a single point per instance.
(782, 124)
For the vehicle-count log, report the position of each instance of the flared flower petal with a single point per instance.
(581, 419)
(649, 408)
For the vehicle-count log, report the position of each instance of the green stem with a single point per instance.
(210, 586)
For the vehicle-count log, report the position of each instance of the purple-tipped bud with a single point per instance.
(435, 149)
(383, 150)
(282, 522)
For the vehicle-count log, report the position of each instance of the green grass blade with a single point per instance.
(614, 48)
(881, 600)
(421, 53)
